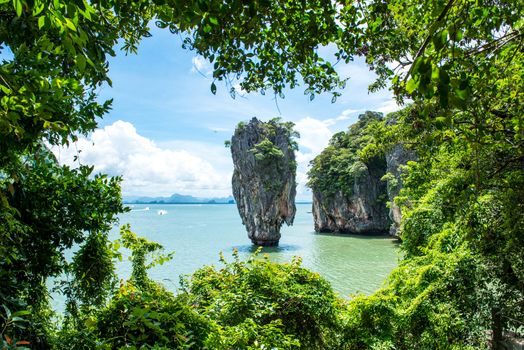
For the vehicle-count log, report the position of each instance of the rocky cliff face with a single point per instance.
(264, 179)
(362, 212)
(395, 158)
(365, 211)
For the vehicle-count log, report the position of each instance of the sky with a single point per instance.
(165, 133)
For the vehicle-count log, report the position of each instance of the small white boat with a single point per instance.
(162, 212)
(141, 209)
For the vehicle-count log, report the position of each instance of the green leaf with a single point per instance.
(440, 39)
(90, 322)
(395, 80)
(435, 73)
(213, 88)
(41, 21)
(440, 122)
(5, 89)
(18, 7)
(86, 13)
(462, 94)
(425, 66)
(81, 62)
(21, 313)
(68, 43)
(436, 42)
(412, 85)
(70, 24)
(444, 76)
(376, 24)
(17, 319)
(7, 311)
(416, 65)
(459, 34)
(38, 7)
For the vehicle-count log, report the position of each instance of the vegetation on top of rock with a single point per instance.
(265, 151)
(347, 155)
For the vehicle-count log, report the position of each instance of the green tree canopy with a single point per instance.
(336, 167)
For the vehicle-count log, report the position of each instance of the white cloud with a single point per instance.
(239, 91)
(314, 137)
(345, 115)
(358, 73)
(303, 192)
(333, 121)
(314, 134)
(388, 107)
(201, 65)
(347, 112)
(148, 169)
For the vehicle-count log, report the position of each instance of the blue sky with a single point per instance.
(166, 131)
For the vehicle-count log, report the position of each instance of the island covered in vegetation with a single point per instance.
(460, 283)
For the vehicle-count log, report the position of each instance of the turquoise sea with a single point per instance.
(198, 233)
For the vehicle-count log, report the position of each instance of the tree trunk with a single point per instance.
(496, 329)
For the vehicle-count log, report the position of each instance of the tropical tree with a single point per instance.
(462, 64)
(54, 58)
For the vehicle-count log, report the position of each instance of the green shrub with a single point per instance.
(144, 318)
(285, 297)
(266, 151)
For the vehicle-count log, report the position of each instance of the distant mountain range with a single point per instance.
(178, 199)
(184, 199)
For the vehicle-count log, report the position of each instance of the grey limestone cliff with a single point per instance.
(353, 179)
(395, 158)
(364, 211)
(264, 178)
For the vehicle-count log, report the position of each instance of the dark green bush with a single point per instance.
(286, 297)
(150, 317)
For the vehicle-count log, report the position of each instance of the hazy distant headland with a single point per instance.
(184, 199)
(178, 199)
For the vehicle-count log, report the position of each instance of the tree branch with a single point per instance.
(432, 29)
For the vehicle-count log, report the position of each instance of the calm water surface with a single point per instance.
(197, 233)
